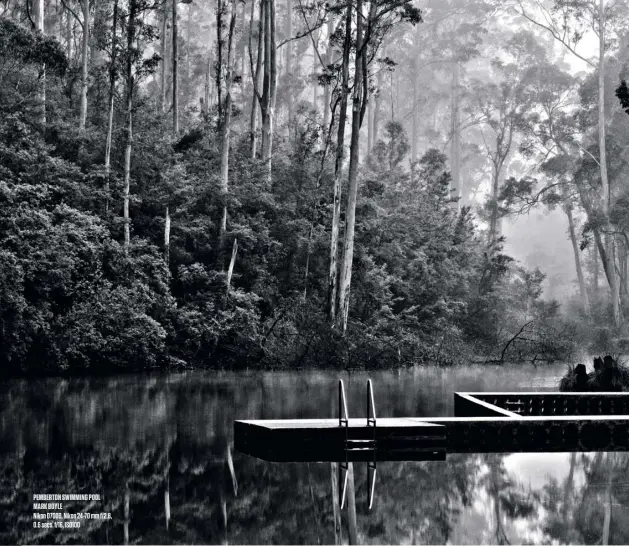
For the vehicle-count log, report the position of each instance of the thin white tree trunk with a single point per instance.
(351, 504)
(39, 15)
(289, 62)
(269, 86)
(127, 174)
(370, 127)
(232, 262)
(416, 95)
(493, 221)
(162, 51)
(167, 235)
(354, 159)
(455, 144)
(326, 87)
(112, 92)
(378, 104)
(227, 113)
(338, 173)
(315, 83)
(577, 260)
(129, 143)
(608, 500)
(167, 501)
(175, 70)
(85, 5)
(188, 91)
(256, 77)
(336, 508)
(126, 513)
(606, 197)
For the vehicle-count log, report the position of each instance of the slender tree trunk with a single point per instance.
(415, 114)
(68, 35)
(167, 501)
(126, 510)
(569, 487)
(256, 76)
(595, 272)
(232, 262)
(370, 127)
(269, 85)
(175, 71)
(129, 144)
(58, 14)
(39, 16)
(455, 143)
(326, 87)
(378, 104)
(175, 65)
(624, 270)
(315, 83)
(601, 108)
(188, 90)
(577, 260)
(354, 159)
(112, 93)
(338, 172)
(351, 498)
(211, 68)
(416, 95)
(608, 500)
(392, 96)
(494, 228)
(307, 266)
(606, 197)
(162, 52)
(85, 5)
(167, 235)
(227, 111)
(241, 54)
(599, 248)
(289, 63)
(207, 89)
(336, 508)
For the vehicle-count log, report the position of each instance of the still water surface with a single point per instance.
(150, 445)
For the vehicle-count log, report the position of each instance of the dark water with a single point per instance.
(136, 440)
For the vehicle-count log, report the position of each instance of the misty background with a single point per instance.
(288, 183)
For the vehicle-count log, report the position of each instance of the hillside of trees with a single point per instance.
(263, 184)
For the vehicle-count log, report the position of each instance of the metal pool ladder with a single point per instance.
(354, 445)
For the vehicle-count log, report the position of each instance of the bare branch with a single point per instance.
(301, 35)
(555, 33)
(72, 12)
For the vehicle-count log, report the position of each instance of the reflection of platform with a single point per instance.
(484, 422)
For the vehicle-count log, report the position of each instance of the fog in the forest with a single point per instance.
(348, 183)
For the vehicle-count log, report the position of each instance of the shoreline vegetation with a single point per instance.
(235, 232)
(607, 375)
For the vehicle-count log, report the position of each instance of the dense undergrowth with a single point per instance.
(426, 288)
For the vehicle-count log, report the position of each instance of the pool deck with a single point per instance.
(534, 422)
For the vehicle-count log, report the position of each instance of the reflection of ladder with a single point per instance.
(354, 445)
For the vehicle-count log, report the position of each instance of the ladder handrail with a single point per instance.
(371, 405)
(342, 405)
(344, 465)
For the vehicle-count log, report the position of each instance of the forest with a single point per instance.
(287, 184)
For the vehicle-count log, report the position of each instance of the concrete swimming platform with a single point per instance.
(502, 422)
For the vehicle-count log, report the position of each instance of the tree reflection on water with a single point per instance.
(160, 453)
